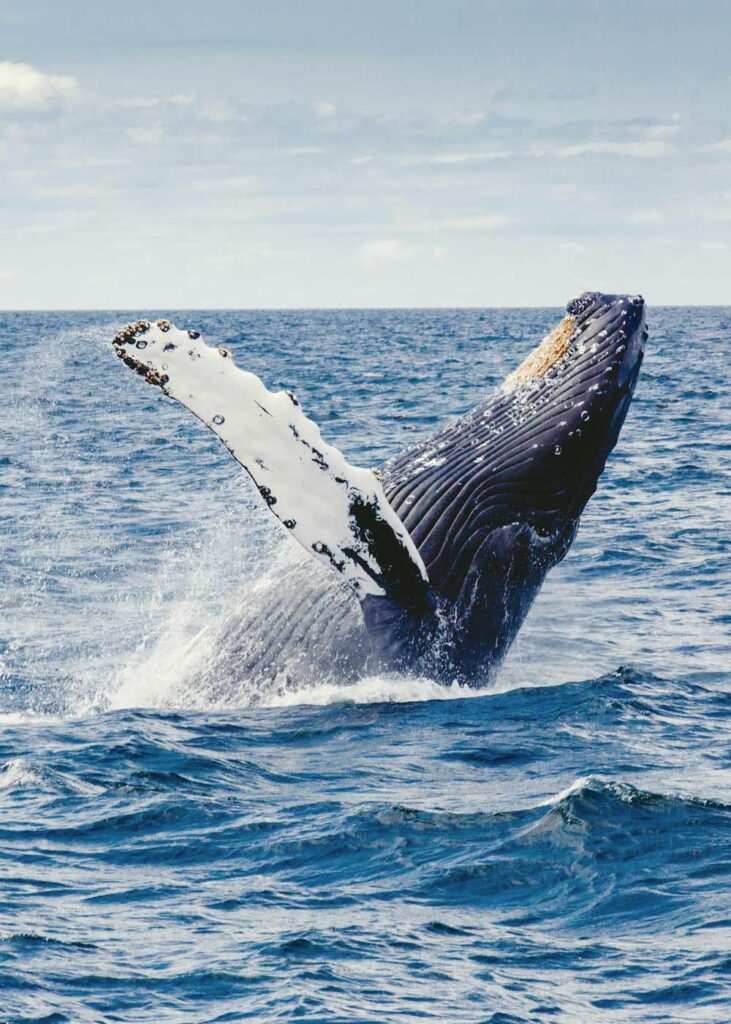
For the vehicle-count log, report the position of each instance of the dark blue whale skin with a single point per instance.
(492, 502)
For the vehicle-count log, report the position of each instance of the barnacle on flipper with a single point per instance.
(129, 335)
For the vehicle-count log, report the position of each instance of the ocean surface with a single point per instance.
(555, 849)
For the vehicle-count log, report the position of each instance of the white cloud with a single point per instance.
(643, 149)
(80, 190)
(476, 222)
(391, 250)
(640, 148)
(572, 248)
(658, 131)
(220, 111)
(645, 218)
(23, 87)
(242, 183)
(180, 99)
(70, 158)
(146, 136)
(481, 222)
(467, 118)
(715, 212)
(324, 109)
(64, 222)
(253, 256)
(723, 146)
(464, 157)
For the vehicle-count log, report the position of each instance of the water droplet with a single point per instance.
(557, 450)
(218, 420)
(141, 343)
(584, 415)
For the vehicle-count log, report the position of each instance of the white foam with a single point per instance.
(581, 783)
(385, 689)
(180, 638)
(30, 717)
(19, 774)
(156, 673)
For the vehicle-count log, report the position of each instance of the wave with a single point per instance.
(615, 794)
(603, 850)
(21, 773)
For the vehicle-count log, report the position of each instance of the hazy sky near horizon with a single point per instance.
(250, 153)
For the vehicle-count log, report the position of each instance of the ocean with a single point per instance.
(556, 848)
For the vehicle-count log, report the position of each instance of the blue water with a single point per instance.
(555, 849)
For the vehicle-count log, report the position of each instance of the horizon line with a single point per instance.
(328, 309)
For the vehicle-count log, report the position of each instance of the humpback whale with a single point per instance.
(430, 563)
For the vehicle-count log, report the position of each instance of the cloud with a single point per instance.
(723, 146)
(572, 248)
(645, 149)
(391, 250)
(241, 183)
(467, 118)
(180, 99)
(150, 136)
(324, 109)
(24, 88)
(658, 131)
(642, 149)
(475, 222)
(715, 212)
(456, 158)
(219, 111)
(80, 190)
(479, 222)
(645, 218)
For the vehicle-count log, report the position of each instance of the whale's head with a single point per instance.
(593, 352)
(588, 393)
(567, 401)
(617, 326)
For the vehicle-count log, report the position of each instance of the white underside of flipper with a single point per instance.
(325, 503)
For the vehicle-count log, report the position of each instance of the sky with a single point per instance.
(341, 153)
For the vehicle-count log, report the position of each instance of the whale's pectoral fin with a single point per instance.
(338, 512)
